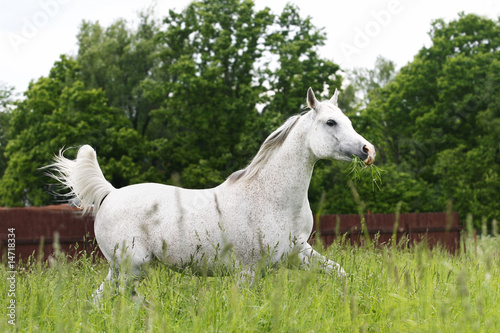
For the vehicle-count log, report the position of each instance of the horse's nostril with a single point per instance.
(365, 149)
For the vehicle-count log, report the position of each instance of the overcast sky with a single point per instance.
(33, 33)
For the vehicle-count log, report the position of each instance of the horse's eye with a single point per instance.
(331, 122)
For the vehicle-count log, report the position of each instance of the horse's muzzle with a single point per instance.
(369, 152)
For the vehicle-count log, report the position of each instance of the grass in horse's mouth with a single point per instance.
(357, 168)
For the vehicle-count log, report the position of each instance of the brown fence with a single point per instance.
(442, 228)
(36, 225)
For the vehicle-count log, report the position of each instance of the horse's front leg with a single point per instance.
(307, 256)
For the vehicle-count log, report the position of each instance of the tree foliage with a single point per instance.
(6, 104)
(438, 120)
(211, 49)
(59, 111)
(120, 61)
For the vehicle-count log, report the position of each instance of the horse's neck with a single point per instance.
(287, 173)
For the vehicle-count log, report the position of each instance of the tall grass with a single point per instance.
(389, 289)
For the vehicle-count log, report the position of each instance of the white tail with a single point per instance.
(83, 177)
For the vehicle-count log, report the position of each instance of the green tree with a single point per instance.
(331, 193)
(209, 53)
(215, 74)
(469, 170)
(122, 62)
(59, 112)
(438, 119)
(365, 83)
(294, 46)
(5, 110)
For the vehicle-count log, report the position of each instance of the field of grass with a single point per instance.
(387, 290)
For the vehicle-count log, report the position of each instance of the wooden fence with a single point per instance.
(435, 228)
(38, 227)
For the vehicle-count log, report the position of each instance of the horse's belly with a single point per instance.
(256, 237)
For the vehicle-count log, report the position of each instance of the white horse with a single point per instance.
(259, 212)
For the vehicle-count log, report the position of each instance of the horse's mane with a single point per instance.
(273, 141)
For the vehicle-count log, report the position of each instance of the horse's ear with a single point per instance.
(312, 102)
(335, 97)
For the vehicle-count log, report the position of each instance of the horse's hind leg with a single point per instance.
(121, 283)
(135, 274)
(108, 281)
(127, 262)
(124, 284)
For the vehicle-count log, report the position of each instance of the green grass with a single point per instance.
(387, 290)
(357, 167)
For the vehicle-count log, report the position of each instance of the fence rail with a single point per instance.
(38, 227)
(442, 228)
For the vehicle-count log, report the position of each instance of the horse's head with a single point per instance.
(332, 135)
